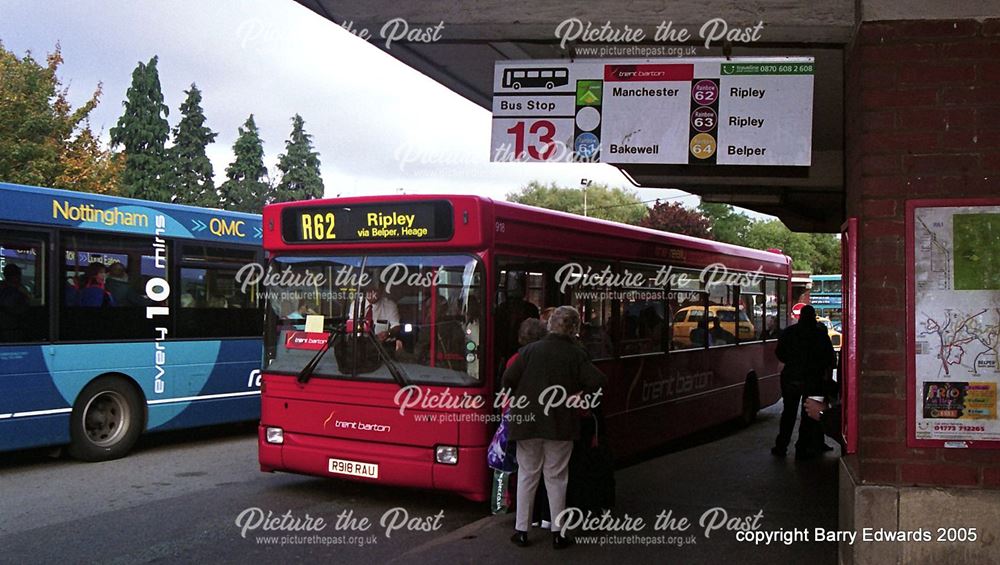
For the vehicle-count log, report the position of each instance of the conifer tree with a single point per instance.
(143, 131)
(191, 179)
(246, 186)
(299, 165)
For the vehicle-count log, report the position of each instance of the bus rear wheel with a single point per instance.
(751, 401)
(106, 420)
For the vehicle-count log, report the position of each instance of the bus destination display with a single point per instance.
(417, 221)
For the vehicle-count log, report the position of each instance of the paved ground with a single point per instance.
(727, 469)
(178, 497)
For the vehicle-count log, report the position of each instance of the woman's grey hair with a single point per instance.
(531, 330)
(565, 320)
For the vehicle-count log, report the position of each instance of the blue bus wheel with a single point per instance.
(106, 420)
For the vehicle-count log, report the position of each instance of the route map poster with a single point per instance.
(955, 316)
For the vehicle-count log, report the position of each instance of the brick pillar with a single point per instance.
(923, 121)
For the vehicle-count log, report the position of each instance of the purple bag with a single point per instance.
(501, 455)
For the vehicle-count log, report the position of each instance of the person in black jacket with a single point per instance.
(808, 355)
(555, 366)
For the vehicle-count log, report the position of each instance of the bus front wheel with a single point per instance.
(106, 420)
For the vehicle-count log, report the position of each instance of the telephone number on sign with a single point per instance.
(954, 428)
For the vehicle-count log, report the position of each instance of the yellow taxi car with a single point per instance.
(686, 321)
(835, 337)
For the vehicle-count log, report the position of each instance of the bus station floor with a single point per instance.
(722, 478)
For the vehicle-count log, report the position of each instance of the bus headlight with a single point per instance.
(274, 435)
(447, 454)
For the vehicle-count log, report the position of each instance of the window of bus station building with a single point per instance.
(24, 310)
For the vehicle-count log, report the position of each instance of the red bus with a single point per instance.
(683, 328)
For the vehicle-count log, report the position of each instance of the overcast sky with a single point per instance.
(378, 125)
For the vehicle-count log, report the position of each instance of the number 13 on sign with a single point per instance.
(532, 139)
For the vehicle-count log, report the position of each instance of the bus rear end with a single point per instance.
(374, 367)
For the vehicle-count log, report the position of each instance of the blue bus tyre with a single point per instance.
(106, 421)
(751, 401)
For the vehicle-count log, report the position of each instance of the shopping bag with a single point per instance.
(500, 456)
(500, 493)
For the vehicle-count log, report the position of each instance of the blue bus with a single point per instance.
(825, 296)
(119, 316)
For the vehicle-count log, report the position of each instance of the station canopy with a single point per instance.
(469, 39)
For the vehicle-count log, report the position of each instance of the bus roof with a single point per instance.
(603, 237)
(88, 211)
(609, 228)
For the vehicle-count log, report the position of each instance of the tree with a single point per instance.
(246, 186)
(191, 176)
(818, 253)
(675, 218)
(142, 130)
(615, 204)
(827, 247)
(88, 167)
(43, 140)
(299, 166)
(728, 225)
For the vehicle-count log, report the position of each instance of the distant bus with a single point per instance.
(548, 78)
(168, 340)
(825, 296)
(683, 328)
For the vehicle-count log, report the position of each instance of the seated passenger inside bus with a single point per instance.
(117, 284)
(14, 303)
(93, 293)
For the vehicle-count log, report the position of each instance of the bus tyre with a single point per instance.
(106, 420)
(751, 401)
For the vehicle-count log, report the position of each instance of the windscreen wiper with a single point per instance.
(306, 373)
(394, 369)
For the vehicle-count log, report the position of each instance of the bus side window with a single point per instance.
(24, 308)
(721, 317)
(595, 307)
(687, 314)
(751, 312)
(782, 303)
(213, 303)
(104, 286)
(643, 315)
(772, 321)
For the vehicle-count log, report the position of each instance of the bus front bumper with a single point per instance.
(397, 465)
